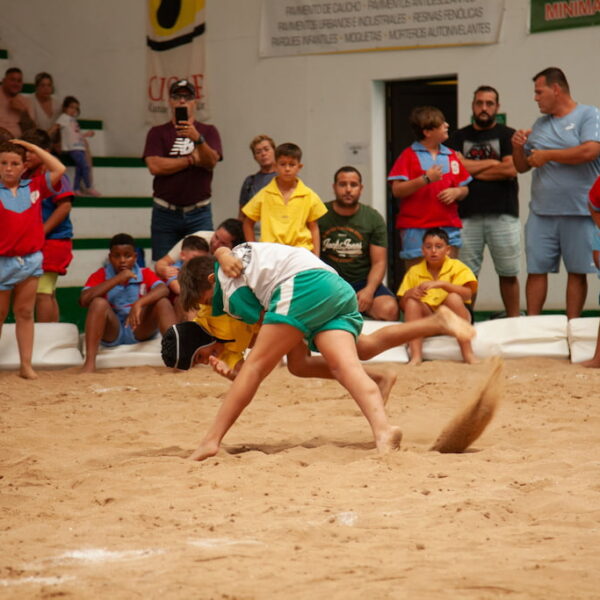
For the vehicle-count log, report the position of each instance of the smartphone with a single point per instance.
(181, 114)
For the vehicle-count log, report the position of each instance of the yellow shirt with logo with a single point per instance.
(284, 222)
(452, 271)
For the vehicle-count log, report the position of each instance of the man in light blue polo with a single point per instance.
(563, 147)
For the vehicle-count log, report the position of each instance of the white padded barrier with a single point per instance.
(582, 335)
(55, 345)
(143, 354)
(516, 337)
(398, 354)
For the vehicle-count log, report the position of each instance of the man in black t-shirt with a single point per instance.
(490, 213)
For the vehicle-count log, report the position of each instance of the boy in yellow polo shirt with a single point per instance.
(286, 208)
(437, 280)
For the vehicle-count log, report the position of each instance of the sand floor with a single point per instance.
(97, 501)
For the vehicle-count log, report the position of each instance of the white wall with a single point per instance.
(319, 102)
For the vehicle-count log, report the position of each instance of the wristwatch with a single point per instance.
(200, 140)
(426, 178)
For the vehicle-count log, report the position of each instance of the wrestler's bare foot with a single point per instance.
(27, 372)
(451, 324)
(204, 450)
(88, 368)
(219, 367)
(389, 441)
(415, 362)
(593, 363)
(385, 380)
(470, 358)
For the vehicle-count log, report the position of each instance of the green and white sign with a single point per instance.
(547, 15)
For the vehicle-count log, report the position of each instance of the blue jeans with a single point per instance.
(169, 226)
(82, 169)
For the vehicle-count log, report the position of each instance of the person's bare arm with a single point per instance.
(232, 266)
(19, 104)
(401, 189)
(203, 155)
(453, 194)
(154, 295)
(315, 236)
(464, 291)
(504, 169)
(378, 256)
(518, 150)
(86, 296)
(248, 227)
(53, 166)
(164, 268)
(58, 216)
(577, 155)
(475, 167)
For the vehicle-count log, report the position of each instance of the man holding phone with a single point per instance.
(181, 155)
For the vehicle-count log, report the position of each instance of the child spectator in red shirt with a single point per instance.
(22, 238)
(429, 180)
(58, 229)
(126, 304)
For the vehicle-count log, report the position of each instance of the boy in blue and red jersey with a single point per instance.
(58, 247)
(429, 180)
(22, 238)
(126, 304)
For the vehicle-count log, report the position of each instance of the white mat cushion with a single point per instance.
(55, 345)
(582, 335)
(143, 354)
(544, 335)
(398, 354)
(516, 337)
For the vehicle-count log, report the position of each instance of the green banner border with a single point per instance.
(541, 9)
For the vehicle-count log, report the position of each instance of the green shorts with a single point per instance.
(315, 301)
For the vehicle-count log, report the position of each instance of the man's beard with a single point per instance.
(484, 123)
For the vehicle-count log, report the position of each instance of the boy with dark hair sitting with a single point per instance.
(436, 281)
(126, 304)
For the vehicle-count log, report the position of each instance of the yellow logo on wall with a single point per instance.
(172, 23)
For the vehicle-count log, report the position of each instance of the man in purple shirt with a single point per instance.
(181, 154)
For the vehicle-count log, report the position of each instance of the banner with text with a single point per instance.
(175, 50)
(314, 27)
(547, 16)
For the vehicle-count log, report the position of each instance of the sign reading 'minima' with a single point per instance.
(547, 15)
(315, 27)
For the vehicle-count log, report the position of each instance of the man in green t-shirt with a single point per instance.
(354, 243)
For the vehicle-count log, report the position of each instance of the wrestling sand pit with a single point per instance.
(98, 501)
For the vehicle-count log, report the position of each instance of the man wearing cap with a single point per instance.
(181, 154)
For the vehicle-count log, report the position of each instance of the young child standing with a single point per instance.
(58, 230)
(126, 304)
(22, 238)
(429, 180)
(74, 144)
(437, 280)
(286, 208)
